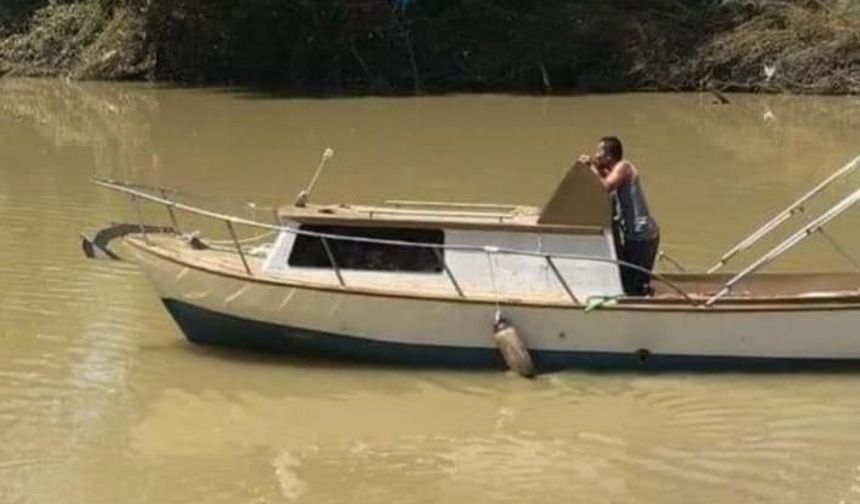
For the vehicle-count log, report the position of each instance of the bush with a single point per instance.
(439, 45)
(808, 47)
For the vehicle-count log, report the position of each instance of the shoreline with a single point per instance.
(795, 48)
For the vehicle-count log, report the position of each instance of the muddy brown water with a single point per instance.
(102, 400)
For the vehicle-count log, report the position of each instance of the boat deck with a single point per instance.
(790, 288)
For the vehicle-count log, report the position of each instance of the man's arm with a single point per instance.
(616, 177)
(586, 160)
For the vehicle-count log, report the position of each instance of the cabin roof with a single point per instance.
(579, 205)
(431, 214)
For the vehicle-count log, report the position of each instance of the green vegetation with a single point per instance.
(388, 46)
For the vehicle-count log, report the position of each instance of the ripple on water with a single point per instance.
(66, 346)
(292, 487)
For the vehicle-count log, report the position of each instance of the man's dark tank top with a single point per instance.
(631, 206)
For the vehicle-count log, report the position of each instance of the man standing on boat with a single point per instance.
(637, 235)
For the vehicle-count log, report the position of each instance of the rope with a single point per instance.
(663, 256)
(595, 302)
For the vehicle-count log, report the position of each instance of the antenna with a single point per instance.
(304, 195)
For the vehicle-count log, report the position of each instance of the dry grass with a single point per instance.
(121, 50)
(811, 47)
(53, 43)
(80, 40)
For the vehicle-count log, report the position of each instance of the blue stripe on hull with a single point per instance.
(208, 327)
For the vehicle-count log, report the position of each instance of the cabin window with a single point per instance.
(308, 251)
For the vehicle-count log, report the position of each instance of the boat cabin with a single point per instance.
(458, 248)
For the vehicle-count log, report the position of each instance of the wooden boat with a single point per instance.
(418, 283)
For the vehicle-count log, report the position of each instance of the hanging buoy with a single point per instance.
(513, 350)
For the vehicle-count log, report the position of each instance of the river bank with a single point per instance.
(382, 47)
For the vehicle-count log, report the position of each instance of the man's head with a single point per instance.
(609, 152)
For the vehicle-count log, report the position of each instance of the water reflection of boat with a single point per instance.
(422, 283)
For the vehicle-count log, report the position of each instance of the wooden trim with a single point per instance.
(425, 205)
(441, 224)
(448, 213)
(656, 305)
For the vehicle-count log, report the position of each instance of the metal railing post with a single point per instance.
(238, 246)
(448, 272)
(334, 265)
(170, 212)
(561, 279)
(140, 223)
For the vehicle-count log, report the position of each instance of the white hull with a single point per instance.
(814, 331)
(424, 282)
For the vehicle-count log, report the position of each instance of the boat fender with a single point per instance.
(512, 348)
